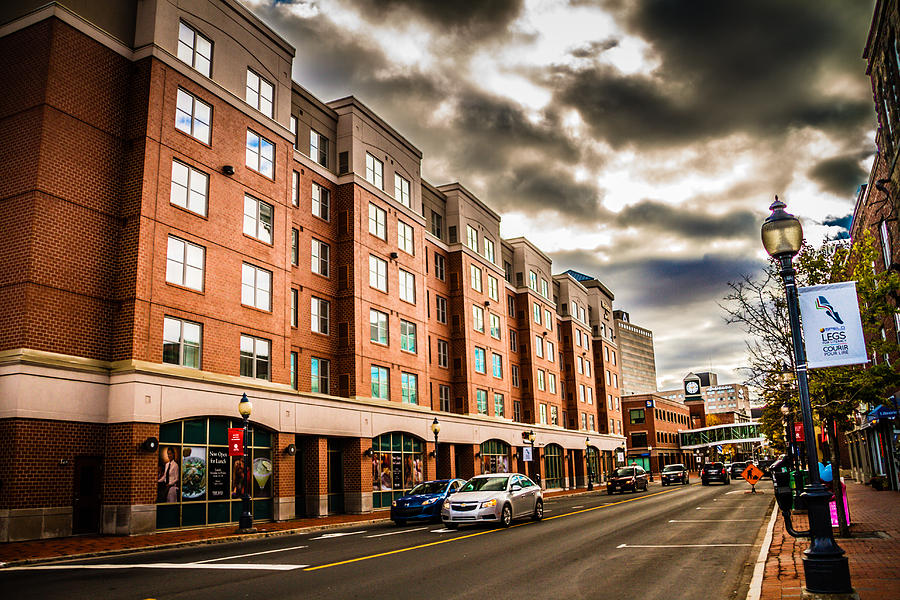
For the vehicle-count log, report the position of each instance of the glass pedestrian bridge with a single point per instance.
(731, 433)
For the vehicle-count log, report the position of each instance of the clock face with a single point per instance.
(692, 387)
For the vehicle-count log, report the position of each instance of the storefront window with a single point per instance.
(593, 463)
(495, 457)
(199, 484)
(553, 466)
(398, 461)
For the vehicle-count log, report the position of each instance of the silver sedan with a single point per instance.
(494, 498)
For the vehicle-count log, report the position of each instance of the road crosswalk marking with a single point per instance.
(249, 554)
(395, 532)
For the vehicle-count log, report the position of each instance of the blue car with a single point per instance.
(424, 501)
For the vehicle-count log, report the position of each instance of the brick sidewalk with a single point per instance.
(873, 560)
(17, 553)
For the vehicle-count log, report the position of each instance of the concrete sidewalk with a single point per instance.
(873, 552)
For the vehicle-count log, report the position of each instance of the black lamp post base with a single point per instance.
(830, 577)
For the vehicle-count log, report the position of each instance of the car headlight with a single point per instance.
(430, 501)
(394, 503)
(489, 503)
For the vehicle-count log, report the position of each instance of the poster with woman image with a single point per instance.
(193, 473)
(503, 464)
(386, 473)
(238, 477)
(169, 474)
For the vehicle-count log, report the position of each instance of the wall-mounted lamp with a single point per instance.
(368, 452)
(290, 450)
(150, 444)
(431, 454)
(228, 170)
(394, 256)
(487, 302)
(478, 455)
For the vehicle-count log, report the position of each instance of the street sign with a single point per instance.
(235, 441)
(649, 403)
(752, 474)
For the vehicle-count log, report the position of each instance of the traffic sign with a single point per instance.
(752, 474)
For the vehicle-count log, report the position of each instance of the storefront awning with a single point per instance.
(882, 412)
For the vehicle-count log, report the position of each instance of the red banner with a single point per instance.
(235, 441)
(798, 432)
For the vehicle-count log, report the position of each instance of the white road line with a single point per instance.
(737, 492)
(395, 532)
(443, 530)
(683, 546)
(232, 566)
(712, 520)
(574, 507)
(716, 508)
(200, 562)
(328, 536)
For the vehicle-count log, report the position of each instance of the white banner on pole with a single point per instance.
(832, 330)
(526, 453)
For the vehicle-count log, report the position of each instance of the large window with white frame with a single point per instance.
(185, 263)
(256, 287)
(295, 188)
(378, 273)
(319, 375)
(532, 280)
(444, 397)
(548, 319)
(551, 351)
(260, 93)
(321, 200)
(374, 171)
(401, 190)
(255, 357)
(409, 388)
(260, 155)
(407, 284)
(472, 238)
(318, 147)
(181, 342)
(320, 257)
(478, 318)
(495, 326)
(259, 217)
(493, 289)
(295, 246)
(320, 315)
(194, 49)
(378, 326)
(488, 249)
(497, 365)
(440, 308)
(539, 346)
(380, 382)
(475, 277)
(545, 288)
(405, 237)
(193, 116)
(551, 383)
(536, 312)
(481, 404)
(439, 266)
(295, 306)
(377, 221)
(190, 188)
(480, 366)
(407, 336)
(443, 353)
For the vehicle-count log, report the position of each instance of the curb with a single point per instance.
(759, 570)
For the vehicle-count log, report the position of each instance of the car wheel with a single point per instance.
(538, 511)
(704, 482)
(506, 516)
(664, 484)
(399, 522)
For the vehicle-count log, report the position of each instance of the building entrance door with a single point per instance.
(335, 477)
(86, 495)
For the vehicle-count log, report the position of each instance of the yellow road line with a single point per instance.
(471, 535)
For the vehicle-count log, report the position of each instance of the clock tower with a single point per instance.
(694, 400)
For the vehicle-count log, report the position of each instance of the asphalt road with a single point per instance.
(688, 542)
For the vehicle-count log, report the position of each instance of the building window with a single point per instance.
(293, 128)
(478, 318)
(194, 49)
(409, 385)
(551, 382)
(551, 351)
(295, 298)
(440, 308)
(319, 375)
(193, 116)
(437, 225)
(444, 396)
(320, 256)
(590, 395)
(378, 273)
(185, 263)
(513, 340)
(532, 282)
(256, 287)
(511, 306)
(615, 380)
(190, 188)
(517, 411)
(407, 287)
(638, 440)
(554, 415)
(295, 188)
(439, 264)
(481, 401)
(495, 326)
(374, 171)
(499, 410)
(318, 147)
(295, 247)
(260, 154)
(536, 312)
(587, 367)
(581, 392)
(545, 289)
(489, 249)
(539, 346)
(479, 360)
(493, 290)
(514, 375)
(407, 336)
(401, 190)
(181, 342)
(885, 243)
(543, 414)
(636, 415)
(321, 199)
(584, 420)
(580, 365)
(258, 219)
(294, 358)
(497, 364)
(380, 384)
(540, 380)
(548, 320)
(320, 315)
(260, 93)
(443, 353)
(475, 277)
(378, 326)
(254, 357)
(377, 222)
(471, 238)
(405, 237)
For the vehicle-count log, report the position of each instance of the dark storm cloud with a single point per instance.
(840, 175)
(843, 225)
(592, 49)
(533, 188)
(472, 18)
(683, 222)
(725, 67)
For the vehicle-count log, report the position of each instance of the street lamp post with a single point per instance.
(788, 433)
(528, 436)
(435, 429)
(824, 562)
(246, 521)
(587, 454)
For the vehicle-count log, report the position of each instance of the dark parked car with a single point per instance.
(424, 501)
(675, 474)
(631, 478)
(765, 465)
(737, 468)
(714, 471)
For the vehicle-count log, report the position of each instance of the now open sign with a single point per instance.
(235, 441)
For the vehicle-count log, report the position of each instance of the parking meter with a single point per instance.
(784, 497)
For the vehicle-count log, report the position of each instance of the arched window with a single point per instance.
(553, 466)
(398, 461)
(495, 457)
(199, 484)
(593, 463)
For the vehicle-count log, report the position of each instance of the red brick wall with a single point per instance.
(285, 464)
(129, 473)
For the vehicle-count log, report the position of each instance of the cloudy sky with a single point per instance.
(637, 141)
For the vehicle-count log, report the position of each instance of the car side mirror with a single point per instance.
(515, 487)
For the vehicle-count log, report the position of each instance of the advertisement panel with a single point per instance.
(832, 331)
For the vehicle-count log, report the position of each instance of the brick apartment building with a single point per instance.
(184, 224)
(652, 423)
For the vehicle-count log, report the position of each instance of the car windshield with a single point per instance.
(486, 484)
(671, 468)
(624, 472)
(429, 487)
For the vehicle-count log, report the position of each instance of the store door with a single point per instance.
(335, 477)
(86, 494)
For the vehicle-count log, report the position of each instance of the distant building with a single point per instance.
(638, 360)
(652, 424)
(717, 399)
